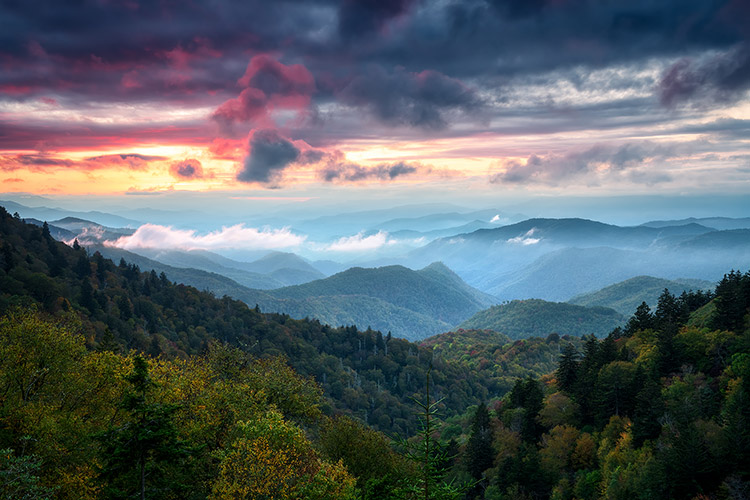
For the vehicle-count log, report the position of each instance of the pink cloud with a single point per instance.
(268, 85)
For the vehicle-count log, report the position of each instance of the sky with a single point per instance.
(288, 101)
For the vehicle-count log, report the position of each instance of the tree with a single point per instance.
(479, 452)
(567, 370)
(367, 455)
(143, 454)
(19, 477)
(271, 458)
(429, 455)
(732, 301)
(641, 320)
(527, 394)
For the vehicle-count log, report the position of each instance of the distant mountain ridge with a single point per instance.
(412, 304)
(557, 259)
(520, 319)
(625, 296)
(49, 214)
(719, 223)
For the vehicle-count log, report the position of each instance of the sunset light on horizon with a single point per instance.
(117, 98)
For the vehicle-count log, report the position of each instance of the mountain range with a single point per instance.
(626, 296)
(489, 256)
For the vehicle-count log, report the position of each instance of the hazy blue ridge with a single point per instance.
(626, 296)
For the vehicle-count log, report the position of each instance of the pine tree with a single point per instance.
(641, 320)
(139, 454)
(430, 455)
(567, 369)
(479, 451)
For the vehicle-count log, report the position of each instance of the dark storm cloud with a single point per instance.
(416, 99)
(270, 154)
(433, 66)
(358, 18)
(720, 78)
(351, 172)
(518, 8)
(142, 49)
(504, 38)
(187, 169)
(311, 156)
(604, 159)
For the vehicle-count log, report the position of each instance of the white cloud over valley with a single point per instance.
(232, 237)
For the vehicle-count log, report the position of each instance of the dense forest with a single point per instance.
(367, 374)
(116, 383)
(656, 410)
(536, 317)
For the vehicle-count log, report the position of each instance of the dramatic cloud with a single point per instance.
(268, 85)
(599, 160)
(451, 83)
(414, 99)
(270, 154)
(358, 18)
(719, 78)
(187, 169)
(238, 236)
(351, 172)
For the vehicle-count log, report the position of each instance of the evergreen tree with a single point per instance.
(45, 232)
(430, 455)
(649, 408)
(567, 371)
(87, 295)
(527, 394)
(479, 451)
(641, 320)
(144, 454)
(732, 301)
(82, 267)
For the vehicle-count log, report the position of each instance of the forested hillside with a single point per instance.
(657, 410)
(368, 374)
(240, 404)
(626, 295)
(412, 304)
(538, 318)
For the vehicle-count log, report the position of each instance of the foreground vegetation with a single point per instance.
(657, 410)
(119, 384)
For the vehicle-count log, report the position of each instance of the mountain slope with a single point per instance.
(206, 261)
(434, 292)
(539, 318)
(487, 351)
(46, 213)
(626, 296)
(363, 373)
(215, 283)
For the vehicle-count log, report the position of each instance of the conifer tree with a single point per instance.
(479, 451)
(567, 371)
(142, 455)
